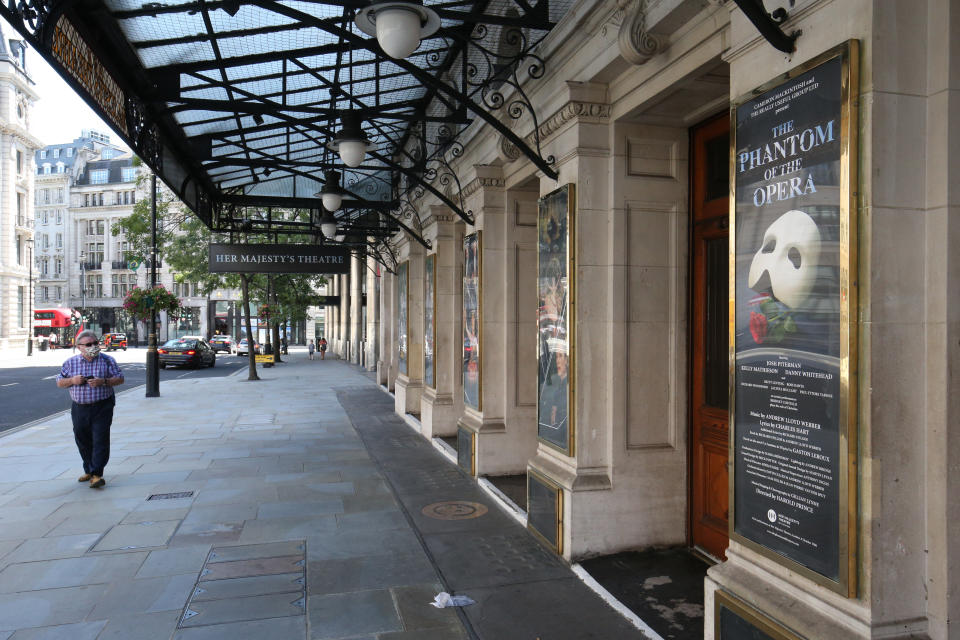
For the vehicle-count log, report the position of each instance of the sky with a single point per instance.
(60, 114)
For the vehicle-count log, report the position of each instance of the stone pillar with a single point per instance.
(343, 324)
(356, 311)
(409, 384)
(373, 314)
(385, 374)
(484, 194)
(439, 410)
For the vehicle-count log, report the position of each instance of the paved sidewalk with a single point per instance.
(285, 508)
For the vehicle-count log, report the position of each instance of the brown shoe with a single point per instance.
(96, 482)
(85, 477)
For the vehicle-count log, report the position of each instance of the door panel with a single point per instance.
(709, 359)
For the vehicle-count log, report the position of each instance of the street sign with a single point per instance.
(266, 358)
(278, 258)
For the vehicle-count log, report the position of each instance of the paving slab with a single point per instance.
(143, 626)
(244, 587)
(75, 631)
(52, 548)
(147, 595)
(252, 551)
(289, 628)
(207, 612)
(48, 607)
(350, 614)
(69, 572)
(168, 562)
(137, 536)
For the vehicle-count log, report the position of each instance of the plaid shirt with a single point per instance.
(103, 366)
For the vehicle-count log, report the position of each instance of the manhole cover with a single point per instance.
(171, 496)
(454, 510)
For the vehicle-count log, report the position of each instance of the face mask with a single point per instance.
(93, 351)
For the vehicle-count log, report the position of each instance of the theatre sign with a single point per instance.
(278, 258)
(793, 436)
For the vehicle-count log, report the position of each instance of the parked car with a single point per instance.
(221, 343)
(114, 341)
(242, 347)
(186, 352)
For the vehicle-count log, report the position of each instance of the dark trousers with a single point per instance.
(91, 430)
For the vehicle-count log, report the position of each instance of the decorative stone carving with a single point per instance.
(480, 183)
(570, 111)
(637, 45)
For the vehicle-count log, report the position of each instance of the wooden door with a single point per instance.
(709, 312)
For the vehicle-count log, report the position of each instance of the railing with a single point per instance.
(119, 264)
(92, 266)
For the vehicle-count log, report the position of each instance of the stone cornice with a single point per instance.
(482, 183)
(573, 110)
(19, 132)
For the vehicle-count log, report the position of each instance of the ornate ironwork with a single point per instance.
(768, 24)
(144, 134)
(34, 13)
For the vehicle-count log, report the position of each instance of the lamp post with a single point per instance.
(30, 301)
(153, 361)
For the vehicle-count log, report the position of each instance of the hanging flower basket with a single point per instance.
(265, 312)
(139, 303)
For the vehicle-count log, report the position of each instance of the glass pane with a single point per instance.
(717, 167)
(715, 370)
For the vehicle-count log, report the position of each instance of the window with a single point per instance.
(59, 195)
(122, 283)
(59, 292)
(56, 153)
(59, 241)
(59, 167)
(45, 267)
(19, 250)
(46, 196)
(46, 169)
(46, 241)
(86, 199)
(99, 176)
(43, 153)
(69, 152)
(129, 174)
(100, 199)
(44, 218)
(95, 252)
(20, 309)
(58, 267)
(19, 162)
(46, 293)
(99, 289)
(106, 154)
(60, 213)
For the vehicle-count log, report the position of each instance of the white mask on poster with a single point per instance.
(789, 255)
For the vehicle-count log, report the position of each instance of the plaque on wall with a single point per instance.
(555, 352)
(472, 325)
(430, 321)
(544, 510)
(466, 452)
(403, 283)
(734, 620)
(794, 291)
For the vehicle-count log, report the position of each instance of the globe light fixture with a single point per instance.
(351, 142)
(332, 193)
(328, 225)
(398, 25)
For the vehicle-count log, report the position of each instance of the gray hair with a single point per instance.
(86, 333)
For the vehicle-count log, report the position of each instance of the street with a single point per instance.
(28, 390)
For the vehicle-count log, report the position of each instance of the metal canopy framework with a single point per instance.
(232, 102)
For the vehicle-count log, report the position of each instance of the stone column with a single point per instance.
(373, 313)
(343, 326)
(409, 385)
(439, 410)
(484, 194)
(384, 358)
(356, 312)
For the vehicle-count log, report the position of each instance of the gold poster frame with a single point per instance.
(479, 235)
(761, 621)
(571, 449)
(846, 584)
(544, 480)
(405, 266)
(432, 258)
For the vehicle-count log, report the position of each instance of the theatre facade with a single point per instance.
(731, 323)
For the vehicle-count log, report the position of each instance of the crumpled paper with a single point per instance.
(444, 599)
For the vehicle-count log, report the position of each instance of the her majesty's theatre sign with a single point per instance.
(278, 258)
(793, 254)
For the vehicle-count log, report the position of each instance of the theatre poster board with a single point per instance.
(793, 269)
(472, 325)
(430, 322)
(403, 284)
(736, 620)
(555, 347)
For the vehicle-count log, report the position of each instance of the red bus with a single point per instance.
(59, 326)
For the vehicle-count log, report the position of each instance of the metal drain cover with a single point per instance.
(171, 496)
(454, 510)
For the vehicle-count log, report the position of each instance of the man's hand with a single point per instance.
(96, 382)
(77, 380)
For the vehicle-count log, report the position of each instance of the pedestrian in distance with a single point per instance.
(311, 348)
(91, 376)
(323, 348)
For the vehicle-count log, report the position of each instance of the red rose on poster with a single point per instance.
(758, 326)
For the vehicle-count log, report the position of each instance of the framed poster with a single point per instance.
(471, 320)
(545, 510)
(793, 349)
(430, 321)
(734, 620)
(403, 283)
(555, 352)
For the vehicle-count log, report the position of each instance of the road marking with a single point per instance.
(52, 377)
(185, 374)
(9, 385)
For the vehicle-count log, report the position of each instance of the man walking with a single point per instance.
(91, 377)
